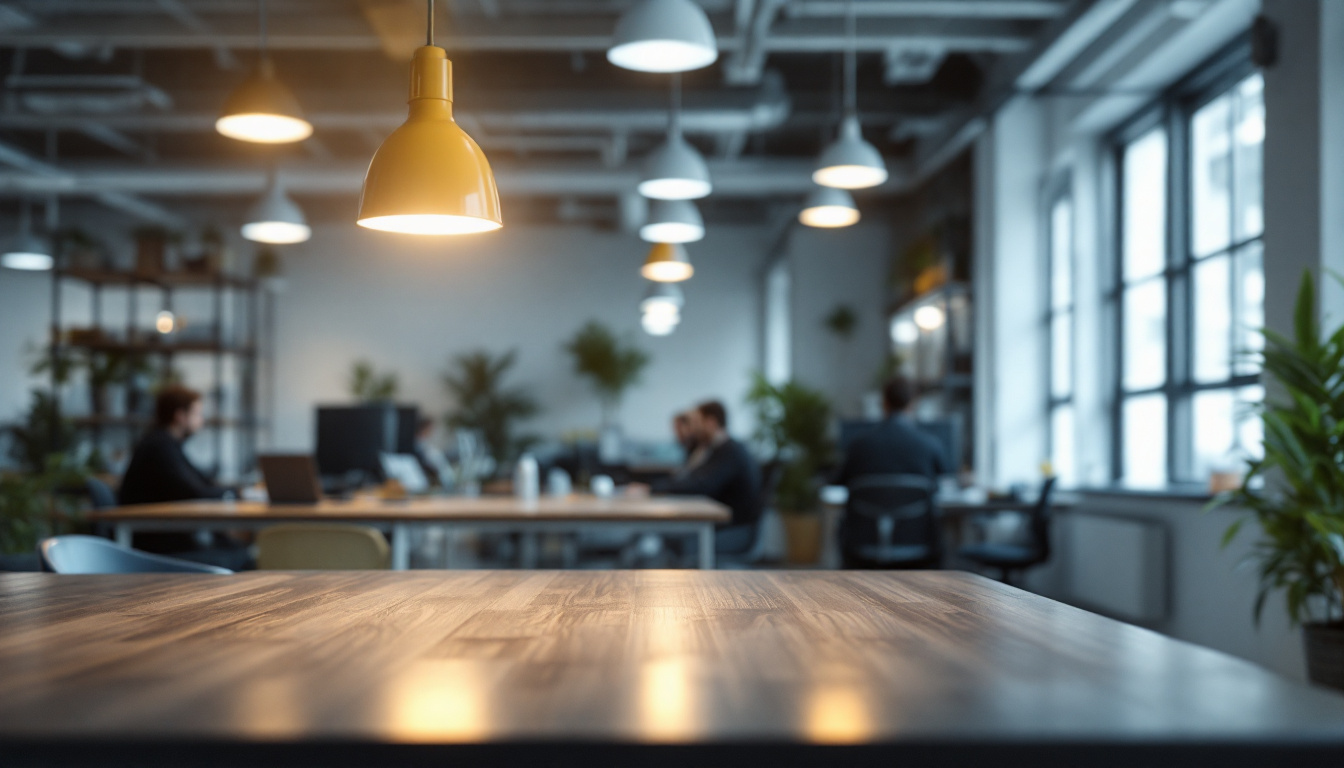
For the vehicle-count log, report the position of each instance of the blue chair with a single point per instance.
(90, 554)
(881, 504)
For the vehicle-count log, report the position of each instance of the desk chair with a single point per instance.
(322, 548)
(1013, 559)
(90, 554)
(886, 501)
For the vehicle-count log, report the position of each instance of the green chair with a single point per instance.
(299, 547)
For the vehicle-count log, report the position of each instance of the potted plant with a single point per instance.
(612, 367)
(484, 405)
(1295, 494)
(368, 386)
(33, 507)
(793, 424)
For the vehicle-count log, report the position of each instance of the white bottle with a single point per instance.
(527, 478)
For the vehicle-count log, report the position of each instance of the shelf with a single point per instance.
(142, 422)
(161, 280)
(180, 347)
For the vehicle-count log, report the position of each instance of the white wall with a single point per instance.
(409, 305)
(829, 268)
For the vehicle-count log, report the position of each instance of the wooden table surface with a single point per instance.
(452, 508)
(618, 668)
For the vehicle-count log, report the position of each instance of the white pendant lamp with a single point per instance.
(850, 162)
(657, 326)
(276, 218)
(667, 263)
(663, 300)
(25, 251)
(675, 170)
(262, 109)
(663, 36)
(673, 221)
(429, 177)
(829, 208)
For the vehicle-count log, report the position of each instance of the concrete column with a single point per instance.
(1304, 156)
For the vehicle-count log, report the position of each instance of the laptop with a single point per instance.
(290, 478)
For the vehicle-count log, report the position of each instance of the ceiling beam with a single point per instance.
(56, 181)
(561, 34)
(736, 178)
(945, 9)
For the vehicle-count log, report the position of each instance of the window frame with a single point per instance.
(1172, 111)
(1059, 190)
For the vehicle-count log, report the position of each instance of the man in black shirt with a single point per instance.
(892, 447)
(159, 469)
(725, 472)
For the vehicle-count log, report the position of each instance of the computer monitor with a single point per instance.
(351, 438)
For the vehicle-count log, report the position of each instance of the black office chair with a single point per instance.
(883, 504)
(1012, 559)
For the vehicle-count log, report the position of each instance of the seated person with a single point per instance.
(683, 429)
(893, 446)
(430, 456)
(727, 473)
(160, 471)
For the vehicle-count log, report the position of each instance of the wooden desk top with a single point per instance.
(507, 667)
(454, 508)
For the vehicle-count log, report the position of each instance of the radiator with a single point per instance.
(1117, 566)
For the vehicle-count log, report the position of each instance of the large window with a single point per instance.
(1190, 283)
(1060, 326)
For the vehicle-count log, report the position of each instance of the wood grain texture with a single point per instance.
(447, 508)
(99, 668)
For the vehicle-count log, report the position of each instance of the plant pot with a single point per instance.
(802, 534)
(1324, 646)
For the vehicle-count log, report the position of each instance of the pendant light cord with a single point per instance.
(851, 97)
(429, 27)
(674, 115)
(261, 26)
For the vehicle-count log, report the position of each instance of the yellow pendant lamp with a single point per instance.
(262, 109)
(429, 177)
(667, 263)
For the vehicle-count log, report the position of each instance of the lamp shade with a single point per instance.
(276, 219)
(28, 253)
(667, 263)
(663, 300)
(673, 221)
(429, 177)
(663, 36)
(850, 162)
(658, 326)
(675, 171)
(263, 110)
(829, 208)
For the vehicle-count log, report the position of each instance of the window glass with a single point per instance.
(1145, 205)
(1250, 308)
(1145, 441)
(1212, 285)
(1248, 165)
(1145, 335)
(1061, 355)
(1227, 429)
(1061, 444)
(1061, 254)
(1211, 177)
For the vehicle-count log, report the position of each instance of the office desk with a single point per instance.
(620, 668)
(501, 514)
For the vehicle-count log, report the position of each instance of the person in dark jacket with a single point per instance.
(727, 473)
(160, 471)
(895, 446)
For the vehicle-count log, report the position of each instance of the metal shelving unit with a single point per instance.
(239, 333)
